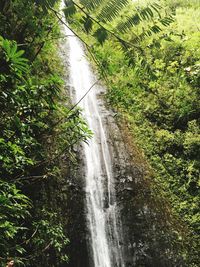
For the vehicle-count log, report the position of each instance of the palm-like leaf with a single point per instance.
(103, 13)
(91, 5)
(97, 17)
(111, 10)
(13, 57)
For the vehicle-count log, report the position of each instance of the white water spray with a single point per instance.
(102, 212)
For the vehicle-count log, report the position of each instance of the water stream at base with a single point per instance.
(102, 213)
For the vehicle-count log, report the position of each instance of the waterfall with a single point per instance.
(102, 212)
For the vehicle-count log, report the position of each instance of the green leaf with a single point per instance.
(111, 10)
(46, 4)
(87, 23)
(70, 9)
(101, 35)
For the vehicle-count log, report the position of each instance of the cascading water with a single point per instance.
(102, 213)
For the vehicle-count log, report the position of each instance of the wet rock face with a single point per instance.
(75, 211)
(147, 238)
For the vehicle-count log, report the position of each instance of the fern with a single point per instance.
(46, 4)
(112, 10)
(92, 5)
(166, 20)
(105, 12)
(87, 23)
(70, 9)
(97, 17)
(129, 23)
(101, 34)
(143, 14)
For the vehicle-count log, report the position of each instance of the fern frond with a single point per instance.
(104, 16)
(70, 9)
(156, 8)
(129, 23)
(147, 32)
(111, 10)
(87, 24)
(91, 5)
(146, 13)
(166, 21)
(46, 4)
(101, 35)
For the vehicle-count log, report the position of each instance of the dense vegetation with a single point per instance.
(153, 77)
(36, 129)
(150, 59)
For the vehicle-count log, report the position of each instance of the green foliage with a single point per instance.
(16, 63)
(70, 8)
(46, 4)
(14, 209)
(37, 130)
(49, 236)
(91, 5)
(105, 14)
(161, 105)
(101, 35)
(111, 9)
